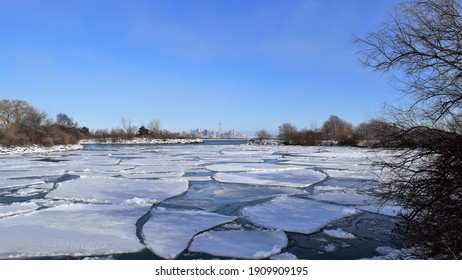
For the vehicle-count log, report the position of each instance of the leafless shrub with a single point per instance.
(421, 45)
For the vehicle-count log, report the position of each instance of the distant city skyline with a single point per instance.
(247, 65)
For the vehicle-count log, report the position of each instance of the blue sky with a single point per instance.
(253, 64)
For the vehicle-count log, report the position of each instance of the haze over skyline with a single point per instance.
(251, 64)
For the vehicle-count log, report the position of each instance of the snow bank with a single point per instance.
(36, 149)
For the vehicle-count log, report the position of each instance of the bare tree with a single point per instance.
(421, 45)
(337, 129)
(65, 121)
(128, 127)
(31, 124)
(263, 135)
(287, 133)
(13, 111)
(154, 127)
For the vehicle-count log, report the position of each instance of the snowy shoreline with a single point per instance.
(36, 149)
(142, 141)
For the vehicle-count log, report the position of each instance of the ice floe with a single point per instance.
(389, 210)
(329, 248)
(17, 208)
(389, 253)
(284, 256)
(118, 190)
(338, 233)
(71, 230)
(235, 167)
(296, 214)
(294, 178)
(270, 189)
(18, 183)
(167, 233)
(365, 174)
(245, 244)
(211, 196)
(345, 198)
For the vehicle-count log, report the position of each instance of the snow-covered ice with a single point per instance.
(284, 256)
(339, 233)
(118, 190)
(294, 178)
(345, 198)
(329, 248)
(167, 233)
(387, 209)
(211, 196)
(35, 149)
(389, 253)
(228, 201)
(245, 244)
(18, 183)
(255, 167)
(71, 230)
(17, 208)
(296, 214)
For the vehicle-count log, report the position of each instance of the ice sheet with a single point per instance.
(329, 248)
(240, 244)
(338, 233)
(235, 177)
(152, 175)
(118, 190)
(236, 167)
(71, 230)
(168, 233)
(18, 183)
(350, 174)
(294, 178)
(345, 198)
(389, 210)
(284, 256)
(296, 214)
(211, 196)
(17, 208)
(153, 169)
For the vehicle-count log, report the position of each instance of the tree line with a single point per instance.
(21, 125)
(334, 131)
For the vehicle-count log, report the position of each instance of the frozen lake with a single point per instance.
(213, 200)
